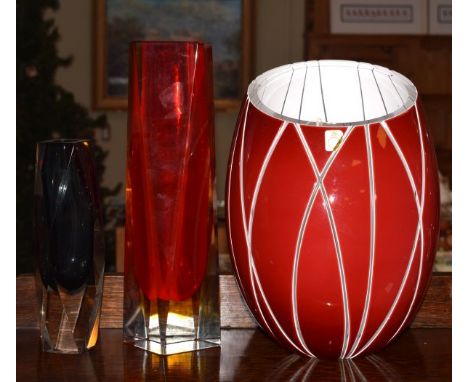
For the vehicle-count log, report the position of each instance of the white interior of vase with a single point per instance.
(332, 92)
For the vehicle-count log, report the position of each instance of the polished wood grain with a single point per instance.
(435, 312)
(245, 355)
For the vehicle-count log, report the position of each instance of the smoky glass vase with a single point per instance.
(69, 245)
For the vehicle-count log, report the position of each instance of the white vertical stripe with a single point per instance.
(370, 164)
(341, 92)
(275, 88)
(390, 94)
(287, 91)
(312, 109)
(331, 219)
(321, 91)
(398, 93)
(360, 92)
(292, 104)
(423, 192)
(380, 91)
(248, 229)
(417, 235)
(373, 104)
(302, 94)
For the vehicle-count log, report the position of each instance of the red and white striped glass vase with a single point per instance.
(332, 205)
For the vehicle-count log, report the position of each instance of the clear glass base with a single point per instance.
(166, 327)
(69, 322)
(176, 347)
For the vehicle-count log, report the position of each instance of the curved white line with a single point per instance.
(404, 162)
(423, 191)
(228, 202)
(392, 308)
(336, 241)
(254, 279)
(302, 228)
(249, 235)
(241, 172)
(344, 290)
(305, 220)
(370, 164)
(416, 238)
(244, 221)
(241, 186)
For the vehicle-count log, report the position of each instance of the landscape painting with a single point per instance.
(217, 22)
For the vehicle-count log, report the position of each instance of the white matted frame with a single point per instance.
(440, 17)
(378, 17)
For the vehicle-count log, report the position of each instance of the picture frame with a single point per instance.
(440, 17)
(407, 17)
(232, 70)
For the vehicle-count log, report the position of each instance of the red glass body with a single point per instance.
(170, 168)
(307, 285)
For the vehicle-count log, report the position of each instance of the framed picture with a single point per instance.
(440, 17)
(225, 24)
(378, 17)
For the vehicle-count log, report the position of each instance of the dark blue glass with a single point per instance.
(68, 221)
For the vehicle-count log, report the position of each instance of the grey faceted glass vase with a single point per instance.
(69, 245)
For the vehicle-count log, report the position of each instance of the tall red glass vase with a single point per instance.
(171, 265)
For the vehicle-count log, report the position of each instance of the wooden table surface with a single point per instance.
(245, 355)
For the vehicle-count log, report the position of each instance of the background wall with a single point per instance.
(279, 30)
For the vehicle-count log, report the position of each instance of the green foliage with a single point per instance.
(44, 110)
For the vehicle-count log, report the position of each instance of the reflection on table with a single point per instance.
(245, 355)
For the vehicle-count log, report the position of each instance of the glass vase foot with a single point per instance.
(154, 346)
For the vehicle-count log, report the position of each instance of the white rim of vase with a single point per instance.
(403, 88)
